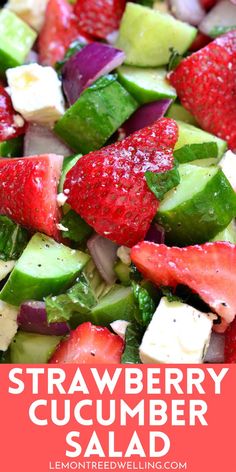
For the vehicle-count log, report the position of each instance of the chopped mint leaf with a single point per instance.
(191, 152)
(161, 183)
(78, 299)
(135, 274)
(168, 293)
(145, 304)
(219, 30)
(146, 3)
(133, 338)
(13, 239)
(175, 59)
(78, 230)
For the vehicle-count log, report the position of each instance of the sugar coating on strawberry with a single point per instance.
(29, 191)
(207, 269)
(11, 123)
(108, 187)
(89, 344)
(59, 30)
(99, 17)
(206, 85)
(230, 343)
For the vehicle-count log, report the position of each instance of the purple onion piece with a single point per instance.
(41, 140)
(155, 234)
(86, 66)
(104, 255)
(223, 14)
(215, 353)
(146, 115)
(33, 319)
(190, 11)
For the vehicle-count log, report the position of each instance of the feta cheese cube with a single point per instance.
(31, 11)
(228, 166)
(36, 93)
(119, 327)
(177, 333)
(8, 324)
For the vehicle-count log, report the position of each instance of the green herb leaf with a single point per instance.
(168, 293)
(161, 183)
(219, 30)
(145, 304)
(74, 47)
(175, 59)
(133, 339)
(78, 230)
(191, 152)
(13, 239)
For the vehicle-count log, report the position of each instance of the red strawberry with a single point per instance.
(208, 4)
(206, 269)
(29, 191)
(108, 187)
(200, 42)
(11, 123)
(206, 85)
(89, 344)
(230, 344)
(99, 17)
(59, 30)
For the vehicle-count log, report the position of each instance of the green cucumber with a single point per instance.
(30, 348)
(68, 163)
(146, 36)
(118, 304)
(96, 115)
(178, 113)
(16, 40)
(191, 136)
(123, 272)
(200, 207)
(228, 234)
(45, 267)
(146, 85)
(12, 147)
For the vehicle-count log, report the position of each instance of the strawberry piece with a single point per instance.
(99, 17)
(108, 187)
(59, 30)
(200, 42)
(29, 191)
(206, 85)
(208, 4)
(11, 123)
(230, 344)
(206, 269)
(89, 344)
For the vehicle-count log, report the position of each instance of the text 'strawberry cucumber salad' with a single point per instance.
(118, 181)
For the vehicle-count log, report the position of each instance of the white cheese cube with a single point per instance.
(228, 166)
(177, 334)
(8, 324)
(36, 93)
(30, 11)
(119, 327)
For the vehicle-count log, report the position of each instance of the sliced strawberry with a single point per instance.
(29, 191)
(11, 123)
(208, 4)
(200, 42)
(230, 344)
(206, 269)
(59, 30)
(108, 187)
(99, 17)
(89, 344)
(206, 85)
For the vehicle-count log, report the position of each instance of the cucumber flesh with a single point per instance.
(147, 35)
(30, 348)
(68, 163)
(5, 268)
(44, 268)
(146, 85)
(189, 135)
(123, 273)
(228, 234)
(201, 206)
(118, 304)
(178, 112)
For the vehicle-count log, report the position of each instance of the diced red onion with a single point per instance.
(223, 14)
(104, 254)
(33, 319)
(215, 352)
(155, 234)
(41, 140)
(146, 115)
(32, 57)
(87, 65)
(190, 11)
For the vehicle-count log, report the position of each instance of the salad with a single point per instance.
(117, 181)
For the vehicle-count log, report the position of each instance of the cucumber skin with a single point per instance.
(30, 348)
(195, 221)
(123, 309)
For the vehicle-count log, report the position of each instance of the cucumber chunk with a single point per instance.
(178, 113)
(201, 206)
(228, 234)
(44, 268)
(123, 273)
(67, 165)
(30, 348)
(146, 85)
(118, 304)
(147, 35)
(190, 135)
(11, 148)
